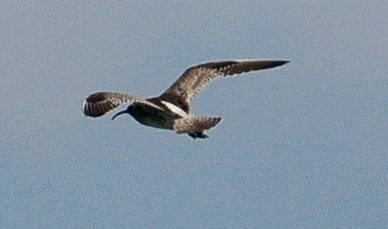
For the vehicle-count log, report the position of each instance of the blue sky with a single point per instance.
(300, 146)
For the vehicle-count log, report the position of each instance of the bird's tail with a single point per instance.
(195, 124)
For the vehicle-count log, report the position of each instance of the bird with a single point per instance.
(171, 110)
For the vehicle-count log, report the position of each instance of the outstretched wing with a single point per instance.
(98, 104)
(196, 77)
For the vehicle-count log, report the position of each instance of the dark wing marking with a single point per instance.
(182, 91)
(100, 103)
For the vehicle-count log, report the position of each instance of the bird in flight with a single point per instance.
(171, 110)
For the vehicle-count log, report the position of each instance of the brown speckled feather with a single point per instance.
(195, 124)
(196, 78)
(100, 103)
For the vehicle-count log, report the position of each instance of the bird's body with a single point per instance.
(171, 110)
(152, 117)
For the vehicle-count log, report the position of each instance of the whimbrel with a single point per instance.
(171, 110)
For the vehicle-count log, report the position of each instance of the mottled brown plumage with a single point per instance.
(171, 110)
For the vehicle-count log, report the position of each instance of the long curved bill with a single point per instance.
(119, 113)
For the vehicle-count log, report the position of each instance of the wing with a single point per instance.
(98, 104)
(196, 78)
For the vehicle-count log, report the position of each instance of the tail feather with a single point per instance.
(195, 124)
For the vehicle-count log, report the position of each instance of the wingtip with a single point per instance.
(266, 64)
(282, 62)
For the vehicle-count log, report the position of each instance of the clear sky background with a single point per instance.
(300, 146)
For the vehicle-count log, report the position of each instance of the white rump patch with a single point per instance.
(175, 109)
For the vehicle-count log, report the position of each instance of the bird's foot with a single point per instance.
(197, 135)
